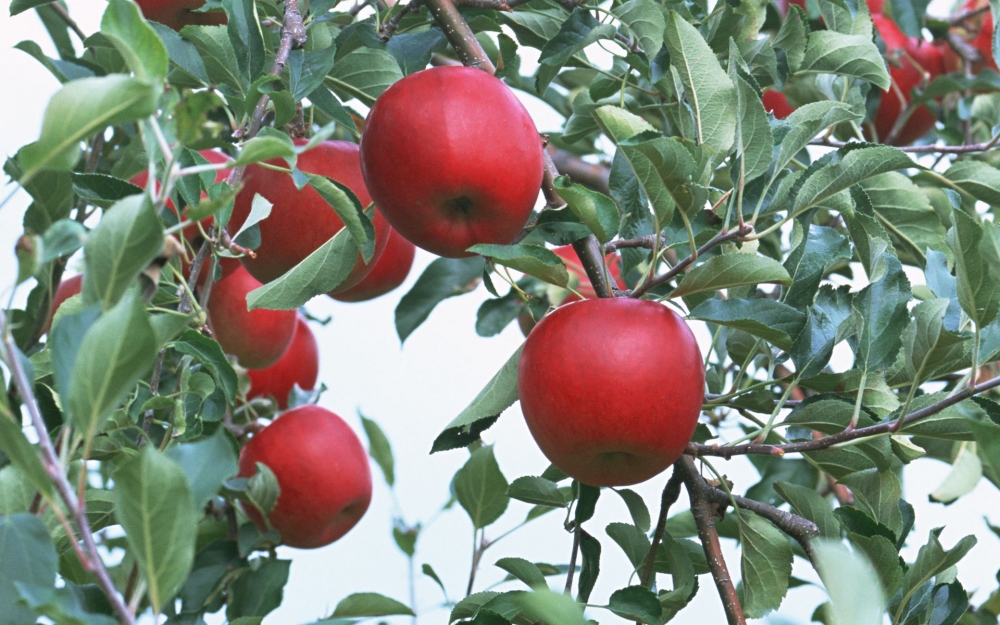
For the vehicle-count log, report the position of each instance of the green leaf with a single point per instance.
(135, 40)
(349, 209)
(117, 351)
(594, 209)
(931, 560)
(523, 570)
(772, 321)
(906, 213)
(966, 471)
(379, 449)
(882, 314)
(978, 286)
(765, 566)
(80, 109)
(536, 490)
(879, 493)
(855, 592)
(828, 321)
(23, 455)
(413, 50)
(320, 272)
(244, 34)
(590, 565)
(636, 603)
(20, 6)
(728, 270)
(854, 56)
(805, 123)
(636, 507)
(807, 503)
(125, 241)
(218, 56)
(979, 179)
(849, 167)
(754, 140)
(929, 348)
(154, 504)
(498, 395)
(481, 488)
(366, 604)
(101, 189)
(645, 19)
(257, 593)
(265, 147)
(209, 353)
(709, 91)
(443, 278)
(207, 464)
(551, 607)
(576, 33)
(364, 74)
(819, 249)
(533, 260)
(27, 559)
(632, 540)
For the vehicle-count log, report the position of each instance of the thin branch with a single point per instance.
(924, 149)
(293, 35)
(460, 35)
(580, 171)
(56, 472)
(722, 237)
(670, 494)
(958, 18)
(819, 444)
(388, 29)
(574, 552)
(701, 509)
(64, 16)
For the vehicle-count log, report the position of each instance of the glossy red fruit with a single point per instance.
(388, 273)
(452, 159)
(191, 233)
(611, 389)
(911, 62)
(298, 365)
(178, 13)
(322, 469)
(66, 289)
(257, 337)
(776, 102)
(302, 221)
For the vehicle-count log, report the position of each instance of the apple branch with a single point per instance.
(57, 473)
(669, 497)
(722, 237)
(818, 444)
(924, 149)
(293, 35)
(590, 175)
(701, 509)
(460, 35)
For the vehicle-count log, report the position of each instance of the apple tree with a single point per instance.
(812, 186)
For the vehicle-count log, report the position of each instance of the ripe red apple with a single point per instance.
(322, 469)
(611, 389)
(191, 233)
(302, 221)
(452, 159)
(66, 289)
(912, 61)
(178, 13)
(298, 365)
(776, 102)
(257, 337)
(388, 273)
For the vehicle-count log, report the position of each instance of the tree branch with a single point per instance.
(701, 509)
(459, 35)
(670, 494)
(293, 35)
(388, 29)
(722, 237)
(924, 149)
(56, 472)
(580, 171)
(574, 552)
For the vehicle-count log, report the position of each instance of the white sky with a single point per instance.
(414, 391)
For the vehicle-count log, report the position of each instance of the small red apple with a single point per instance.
(322, 469)
(776, 102)
(298, 365)
(257, 337)
(388, 273)
(611, 389)
(66, 289)
(178, 13)
(452, 159)
(302, 221)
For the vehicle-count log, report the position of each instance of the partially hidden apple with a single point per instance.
(452, 159)
(298, 365)
(388, 273)
(611, 389)
(777, 103)
(179, 13)
(322, 470)
(66, 289)
(256, 337)
(301, 221)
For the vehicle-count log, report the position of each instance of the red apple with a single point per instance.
(776, 102)
(66, 289)
(452, 159)
(322, 469)
(298, 365)
(178, 13)
(912, 61)
(302, 221)
(388, 273)
(191, 233)
(611, 389)
(257, 337)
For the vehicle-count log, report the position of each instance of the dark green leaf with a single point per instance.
(443, 278)
(481, 488)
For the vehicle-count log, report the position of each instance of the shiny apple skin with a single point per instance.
(452, 159)
(302, 221)
(298, 365)
(323, 472)
(388, 273)
(611, 389)
(177, 14)
(257, 337)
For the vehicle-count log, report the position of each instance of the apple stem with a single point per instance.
(722, 237)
